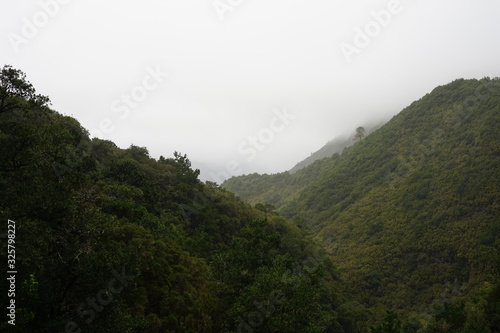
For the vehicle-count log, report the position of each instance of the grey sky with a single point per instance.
(233, 65)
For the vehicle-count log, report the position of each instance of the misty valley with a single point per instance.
(393, 229)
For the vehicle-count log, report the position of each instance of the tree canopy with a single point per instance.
(411, 214)
(113, 239)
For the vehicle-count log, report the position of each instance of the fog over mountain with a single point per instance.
(250, 166)
(204, 77)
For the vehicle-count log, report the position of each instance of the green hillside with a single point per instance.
(335, 146)
(411, 212)
(104, 239)
(281, 188)
(112, 240)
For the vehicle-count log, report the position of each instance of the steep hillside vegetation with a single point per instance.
(335, 146)
(411, 213)
(112, 240)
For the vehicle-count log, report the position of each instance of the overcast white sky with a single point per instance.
(233, 65)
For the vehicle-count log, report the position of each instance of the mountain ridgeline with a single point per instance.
(106, 239)
(335, 146)
(411, 213)
(112, 240)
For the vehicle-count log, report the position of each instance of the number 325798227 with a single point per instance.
(11, 251)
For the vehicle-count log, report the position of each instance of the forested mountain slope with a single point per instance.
(411, 212)
(335, 146)
(112, 240)
(278, 189)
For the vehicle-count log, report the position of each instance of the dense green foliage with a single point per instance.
(112, 240)
(411, 212)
